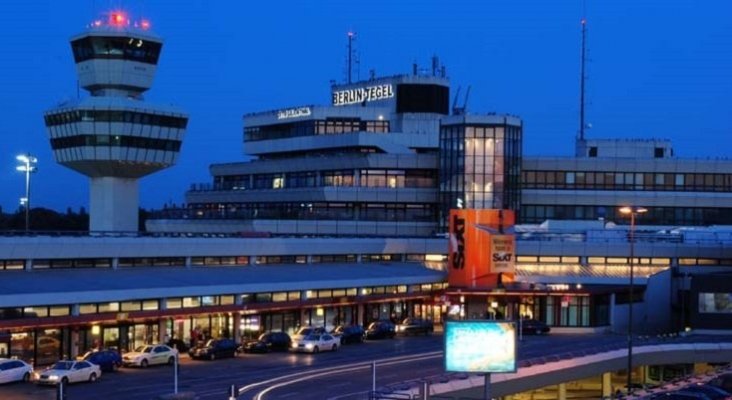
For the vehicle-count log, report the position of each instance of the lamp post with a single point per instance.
(28, 165)
(632, 211)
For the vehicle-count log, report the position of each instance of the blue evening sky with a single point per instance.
(658, 68)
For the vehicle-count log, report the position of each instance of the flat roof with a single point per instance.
(72, 286)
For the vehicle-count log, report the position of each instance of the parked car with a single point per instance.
(266, 342)
(308, 330)
(179, 345)
(415, 326)
(144, 356)
(69, 372)
(107, 360)
(14, 371)
(349, 334)
(533, 327)
(213, 349)
(314, 343)
(380, 330)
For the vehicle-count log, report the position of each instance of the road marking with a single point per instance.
(299, 377)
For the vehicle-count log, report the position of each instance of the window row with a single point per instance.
(116, 48)
(34, 312)
(131, 117)
(128, 262)
(329, 126)
(684, 216)
(211, 301)
(626, 181)
(366, 178)
(592, 260)
(12, 264)
(115, 141)
(311, 211)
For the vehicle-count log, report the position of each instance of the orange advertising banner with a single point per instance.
(479, 248)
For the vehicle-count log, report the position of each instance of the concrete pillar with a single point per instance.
(28, 264)
(115, 263)
(562, 391)
(113, 204)
(74, 351)
(607, 384)
(188, 262)
(360, 313)
(303, 321)
(611, 314)
(237, 327)
(163, 330)
(643, 372)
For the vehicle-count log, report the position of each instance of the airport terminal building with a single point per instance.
(341, 217)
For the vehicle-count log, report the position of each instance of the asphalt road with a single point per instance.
(341, 375)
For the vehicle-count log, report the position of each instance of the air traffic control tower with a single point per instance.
(113, 136)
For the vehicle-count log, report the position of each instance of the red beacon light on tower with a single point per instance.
(118, 18)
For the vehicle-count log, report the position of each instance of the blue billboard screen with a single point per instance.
(480, 346)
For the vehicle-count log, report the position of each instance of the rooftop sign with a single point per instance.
(294, 113)
(363, 94)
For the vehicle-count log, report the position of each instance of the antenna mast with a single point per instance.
(583, 78)
(351, 36)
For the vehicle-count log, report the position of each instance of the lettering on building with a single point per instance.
(362, 95)
(294, 113)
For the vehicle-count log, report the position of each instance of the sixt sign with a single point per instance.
(363, 94)
(457, 242)
(478, 251)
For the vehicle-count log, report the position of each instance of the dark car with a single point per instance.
(269, 341)
(107, 360)
(380, 330)
(178, 344)
(213, 349)
(415, 326)
(349, 333)
(533, 327)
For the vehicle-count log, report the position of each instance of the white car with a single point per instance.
(14, 370)
(69, 372)
(150, 355)
(315, 343)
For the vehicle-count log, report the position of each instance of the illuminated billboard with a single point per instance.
(479, 249)
(480, 346)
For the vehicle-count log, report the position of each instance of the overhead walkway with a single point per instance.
(601, 361)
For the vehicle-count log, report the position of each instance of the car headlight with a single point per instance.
(309, 346)
(53, 377)
(294, 345)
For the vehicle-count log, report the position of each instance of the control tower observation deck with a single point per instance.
(113, 136)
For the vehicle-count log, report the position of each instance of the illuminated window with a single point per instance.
(173, 303)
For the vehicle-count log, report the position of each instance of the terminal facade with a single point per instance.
(341, 217)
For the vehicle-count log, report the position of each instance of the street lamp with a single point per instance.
(28, 165)
(632, 211)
